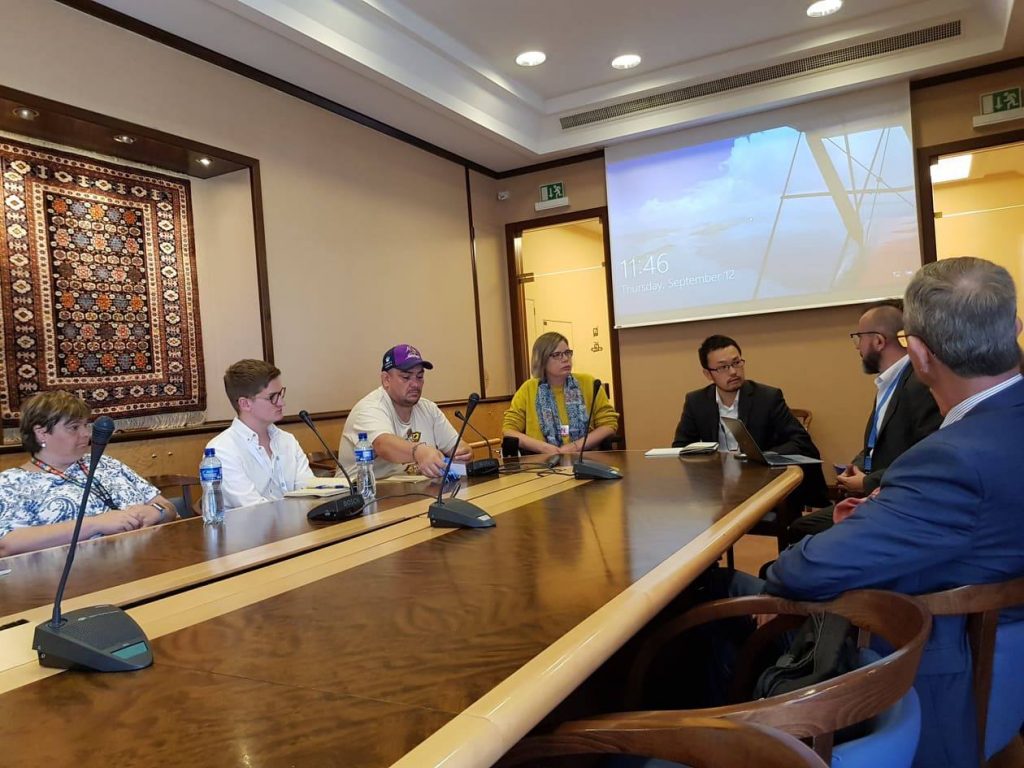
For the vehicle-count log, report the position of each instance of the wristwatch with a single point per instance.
(159, 509)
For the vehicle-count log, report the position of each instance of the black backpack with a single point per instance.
(823, 648)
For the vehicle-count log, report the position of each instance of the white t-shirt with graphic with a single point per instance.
(375, 415)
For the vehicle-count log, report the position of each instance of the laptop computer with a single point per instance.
(753, 451)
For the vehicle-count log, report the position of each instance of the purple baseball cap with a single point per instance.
(403, 357)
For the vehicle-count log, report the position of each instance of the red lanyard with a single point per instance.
(102, 492)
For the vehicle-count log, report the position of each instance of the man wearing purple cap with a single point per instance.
(408, 432)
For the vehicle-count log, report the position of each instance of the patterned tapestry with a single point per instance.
(98, 291)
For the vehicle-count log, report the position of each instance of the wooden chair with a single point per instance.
(697, 742)
(803, 416)
(814, 712)
(177, 489)
(321, 463)
(981, 604)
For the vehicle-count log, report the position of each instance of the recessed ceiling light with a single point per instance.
(205, 161)
(823, 8)
(531, 58)
(626, 61)
(25, 113)
(124, 138)
(952, 168)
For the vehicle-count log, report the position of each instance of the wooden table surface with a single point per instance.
(407, 644)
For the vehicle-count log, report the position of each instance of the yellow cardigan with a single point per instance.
(521, 415)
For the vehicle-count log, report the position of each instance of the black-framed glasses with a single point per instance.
(565, 354)
(726, 367)
(855, 336)
(274, 398)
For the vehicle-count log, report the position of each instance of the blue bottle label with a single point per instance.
(364, 454)
(210, 474)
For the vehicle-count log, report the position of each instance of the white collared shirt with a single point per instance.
(882, 382)
(726, 442)
(964, 407)
(250, 475)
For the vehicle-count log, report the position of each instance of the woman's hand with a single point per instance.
(115, 521)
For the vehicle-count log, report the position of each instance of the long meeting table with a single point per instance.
(405, 645)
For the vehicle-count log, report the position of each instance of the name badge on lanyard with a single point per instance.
(563, 430)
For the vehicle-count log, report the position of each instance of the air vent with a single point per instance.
(768, 74)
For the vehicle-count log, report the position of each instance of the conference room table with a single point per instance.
(403, 645)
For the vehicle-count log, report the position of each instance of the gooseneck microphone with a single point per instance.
(345, 507)
(102, 638)
(452, 512)
(593, 470)
(480, 466)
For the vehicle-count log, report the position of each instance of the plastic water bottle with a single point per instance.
(210, 477)
(366, 483)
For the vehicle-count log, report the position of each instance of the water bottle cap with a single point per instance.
(209, 452)
(362, 435)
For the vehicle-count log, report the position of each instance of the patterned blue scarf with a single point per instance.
(547, 411)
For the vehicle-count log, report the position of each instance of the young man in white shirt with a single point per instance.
(261, 462)
(407, 431)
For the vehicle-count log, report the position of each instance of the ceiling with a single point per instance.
(444, 71)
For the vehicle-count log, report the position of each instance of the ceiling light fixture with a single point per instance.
(626, 61)
(124, 138)
(25, 113)
(205, 162)
(823, 8)
(531, 58)
(952, 168)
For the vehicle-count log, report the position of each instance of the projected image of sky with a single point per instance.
(776, 219)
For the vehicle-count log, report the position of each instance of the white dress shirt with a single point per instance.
(964, 407)
(251, 476)
(726, 441)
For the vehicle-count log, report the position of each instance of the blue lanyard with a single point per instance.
(875, 420)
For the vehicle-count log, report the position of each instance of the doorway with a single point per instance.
(560, 281)
(978, 200)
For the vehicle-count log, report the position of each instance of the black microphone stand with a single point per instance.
(479, 467)
(334, 510)
(102, 638)
(593, 470)
(452, 512)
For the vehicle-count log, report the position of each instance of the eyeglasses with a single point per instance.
(734, 365)
(855, 336)
(902, 336)
(274, 398)
(565, 354)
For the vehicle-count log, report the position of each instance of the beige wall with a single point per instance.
(943, 113)
(358, 225)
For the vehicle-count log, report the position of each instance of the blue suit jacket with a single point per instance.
(949, 513)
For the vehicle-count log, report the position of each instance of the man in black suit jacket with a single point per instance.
(909, 412)
(761, 408)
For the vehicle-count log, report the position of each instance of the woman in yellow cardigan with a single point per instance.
(549, 412)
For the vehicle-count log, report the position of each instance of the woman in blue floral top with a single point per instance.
(39, 500)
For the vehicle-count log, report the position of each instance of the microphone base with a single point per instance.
(336, 510)
(592, 470)
(457, 513)
(482, 467)
(102, 638)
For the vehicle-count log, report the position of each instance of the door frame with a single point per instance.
(513, 259)
(925, 200)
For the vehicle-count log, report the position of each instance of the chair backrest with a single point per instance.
(981, 604)
(818, 711)
(178, 490)
(321, 463)
(696, 742)
(803, 416)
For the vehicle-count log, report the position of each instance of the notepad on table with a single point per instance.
(686, 450)
(319, 487)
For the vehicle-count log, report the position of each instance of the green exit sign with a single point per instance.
(554, 191)
(1000, 101)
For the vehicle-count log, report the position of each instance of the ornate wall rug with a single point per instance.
(98, 290)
